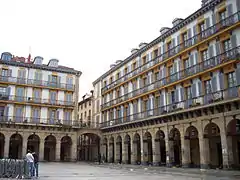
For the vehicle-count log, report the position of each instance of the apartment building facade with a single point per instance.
(175, 101)
(38, 108)
(85, 108)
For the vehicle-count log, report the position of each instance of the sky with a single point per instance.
(87, 35)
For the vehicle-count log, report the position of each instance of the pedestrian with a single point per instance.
(35, 164)
(30, 162)
(99, 158)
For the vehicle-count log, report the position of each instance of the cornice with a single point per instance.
(42, 67)
(174, 29)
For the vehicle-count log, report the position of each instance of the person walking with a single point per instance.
(30, 161)
(35, 164)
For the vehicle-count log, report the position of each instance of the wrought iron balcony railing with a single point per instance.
(218, 60)
(5, 97)
(220, 97)
(216, 28)
(35, 82)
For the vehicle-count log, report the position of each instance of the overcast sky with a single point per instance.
(88, 35)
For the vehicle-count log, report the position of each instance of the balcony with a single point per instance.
(34, 82)
(216, 28)
(206, 100)
(44, 122)
(202, 67)
(35, 100)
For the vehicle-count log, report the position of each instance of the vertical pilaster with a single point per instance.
(186, 159)
(74, 151)
(24, 146)
(116, 151)
(110, 154)
(168, 162)
(58, 150)
(204, 152)
(143, 150)
(155, 154)
(124, 151)
(6, 146)
(41, 150)
(133, 152)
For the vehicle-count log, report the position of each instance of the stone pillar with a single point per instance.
(186, 159)
(24, 146)
(171, 153)
(41, 150)
(168, 163)
(226, 143)
(204, 152)
(117, 152)
(6, 146)
(144, 148)
(110, 150)
(74, 151)
(133, 152)
(58, 150)
(155, 153)
(124, 152)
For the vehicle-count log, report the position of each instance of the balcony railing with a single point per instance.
(36, 82)
(45, 121)
(210, 99)
(223, 24)
(181, 75)
(5, 97)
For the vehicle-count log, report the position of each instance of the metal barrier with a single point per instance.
(14, 168)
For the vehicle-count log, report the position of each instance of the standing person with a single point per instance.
(30, 161)
(99, 158)
(35, 164)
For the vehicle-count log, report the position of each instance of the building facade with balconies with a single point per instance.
(175, 101)
(38, 108)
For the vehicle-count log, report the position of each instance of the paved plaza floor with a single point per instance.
(85, 171)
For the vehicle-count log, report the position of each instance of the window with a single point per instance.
(187, 63)
(54, 79)
(37, 95)
(157, 77)
(231, 78)
(81, 116)
(38, 77)
(4, 72)
(36, 115)
(205, 55)
(207, 87)
(144, 60)
(89, 114)
(89, 103)
(85, 104)
(21, 76)
(98, 104)
(53, 115)
(134, 65)
(69, 98)
(171, 70)
(201, 27)
(155, 53)
(67, 117)
(118, 113)
(20, 93)
(118, 75)
(19, 114)
(3, 90)
(53, 97)
(227, 45)
(222, 15)
(69, 83)
(173, 96)
(81, 106)
(188, 92)
(185, 38)
(111, 79)
(85, 114)
(125, 71)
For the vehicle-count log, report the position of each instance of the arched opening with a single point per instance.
(137, 148)
(191, 157)
(33, 143)
(175, 147)
(233, 140)
(66, 148)
(147, 148)
(127, 149)
(50, 148)
(119, 149)
(214, 148)
(2, 143)
(15, 147)
(111, 150)
(88, 147)
(160, 148)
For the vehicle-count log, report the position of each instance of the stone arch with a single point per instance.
(50, 142)
(233, 142)
(160, 147)
(89, 146)
(33, 143)
(147, 148)
(191, 156)
(15, 147)
(212, 145)
(2, 144)
(175, 153)
(127, 149)
(66, 148)
(137, 148)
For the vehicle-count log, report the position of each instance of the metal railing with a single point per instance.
(35, 82)
(223, 24)
(197, 68)
(6, 97)
(199, 101)
(46, 121)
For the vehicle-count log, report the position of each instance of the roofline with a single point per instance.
(36, 66)
(172, 30)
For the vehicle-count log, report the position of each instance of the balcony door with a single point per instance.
(19, 114)
(20, 94)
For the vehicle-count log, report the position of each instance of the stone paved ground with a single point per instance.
(84, 171)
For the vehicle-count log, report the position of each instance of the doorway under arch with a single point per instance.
(160, 148)
(66, 149)
(175, 154)
(127, 149)
(50, 148)
(15, 147)
(33, 143)
(119, 149)
(2, 143)
(137, 148)
(147, 148)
